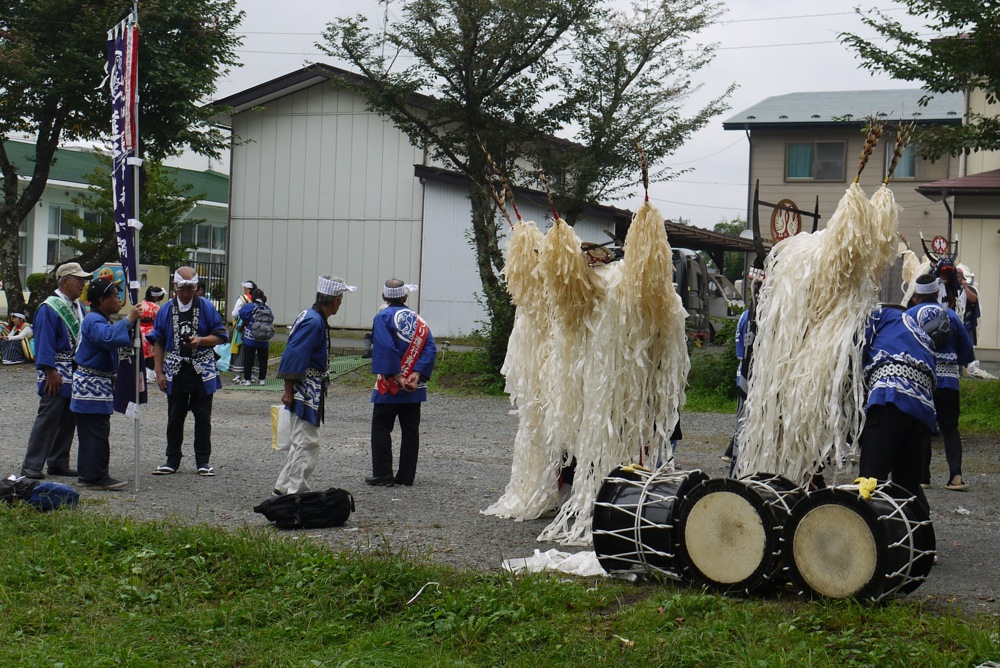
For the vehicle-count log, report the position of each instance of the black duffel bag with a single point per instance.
(308, 510)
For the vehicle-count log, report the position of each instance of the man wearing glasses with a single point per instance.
(185, 331)
(57, 331)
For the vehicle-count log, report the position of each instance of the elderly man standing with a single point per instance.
(303, 367)
(403, 355)
(185, 331)
(57, 331)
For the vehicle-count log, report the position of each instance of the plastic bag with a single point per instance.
(222, 351)
(281, 428)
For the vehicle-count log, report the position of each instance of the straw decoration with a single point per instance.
(875, 129)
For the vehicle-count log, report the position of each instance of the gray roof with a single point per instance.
(854, 106)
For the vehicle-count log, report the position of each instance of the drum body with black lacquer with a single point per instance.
(634, 520)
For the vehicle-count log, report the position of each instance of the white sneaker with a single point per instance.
(263, 382)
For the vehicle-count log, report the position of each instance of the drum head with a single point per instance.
(727, 537)
(838, 549)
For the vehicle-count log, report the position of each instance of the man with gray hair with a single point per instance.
(304, 368)
(403, 355)
(185, 332)
(57, 331)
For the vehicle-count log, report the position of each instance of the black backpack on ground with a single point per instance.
(308, 510)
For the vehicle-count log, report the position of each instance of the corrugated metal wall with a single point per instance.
(320, 185)
(450, 285)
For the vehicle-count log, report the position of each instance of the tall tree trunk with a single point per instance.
(490, 261)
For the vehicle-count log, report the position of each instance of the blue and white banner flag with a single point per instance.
(123, 73)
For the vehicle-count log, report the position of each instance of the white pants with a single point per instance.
(303, 450)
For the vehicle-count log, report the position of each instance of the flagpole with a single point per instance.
(139, 361)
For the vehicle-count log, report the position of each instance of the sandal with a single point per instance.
(206, 471)
(164, 470)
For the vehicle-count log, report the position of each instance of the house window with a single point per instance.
(208, 239)
(815, 161)
(60, 229)
(906, 168)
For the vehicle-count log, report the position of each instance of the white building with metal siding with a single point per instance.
(319, 185)
(450, 289)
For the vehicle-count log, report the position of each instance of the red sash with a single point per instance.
(388, 383)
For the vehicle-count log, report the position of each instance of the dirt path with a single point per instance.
(464, 466)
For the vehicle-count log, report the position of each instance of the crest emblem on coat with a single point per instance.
(406, 323)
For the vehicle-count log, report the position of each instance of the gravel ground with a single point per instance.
(465, 457)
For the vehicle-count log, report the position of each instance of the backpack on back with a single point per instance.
(262, 327)
(308, 510)
(936, 324)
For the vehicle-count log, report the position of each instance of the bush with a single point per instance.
(36, 281)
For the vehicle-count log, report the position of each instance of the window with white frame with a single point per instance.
(60, 229)
(815, 161)
(22, 250)
(209, 240)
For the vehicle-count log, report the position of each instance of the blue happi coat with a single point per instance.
(306, 360)
(899, 364)
(209, 323)
(54, 346)
(392, 331)
(952, 355)
(96, 364)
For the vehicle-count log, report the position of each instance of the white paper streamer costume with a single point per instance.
(596, 365)
(805, 405)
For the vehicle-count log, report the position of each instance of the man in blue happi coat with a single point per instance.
(898, 363)
(94, 382)
(185, 332)
(57, 331)
(304, 368)
(403, 355)
(953, 352)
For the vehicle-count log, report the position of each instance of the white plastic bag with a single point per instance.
(281, 428)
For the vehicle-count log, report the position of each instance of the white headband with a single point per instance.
(400, 292)
(248, 285)
(18, 315)
(326, 286)
(927, 288)
(157, 292)
(180, 281)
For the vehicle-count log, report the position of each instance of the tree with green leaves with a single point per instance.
(504, 81)
(732, 260)
(956, 50)
(52, 61)
(163, 209)
(626, 80)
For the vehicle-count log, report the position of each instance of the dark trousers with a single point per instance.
(891, 447)
(94, 451)
(383, 418)
(258, 354)
(178, 406)
(52, 436)
(947, 405)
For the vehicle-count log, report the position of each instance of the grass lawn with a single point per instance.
(83, 589)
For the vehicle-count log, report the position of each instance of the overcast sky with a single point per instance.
(767, 47)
